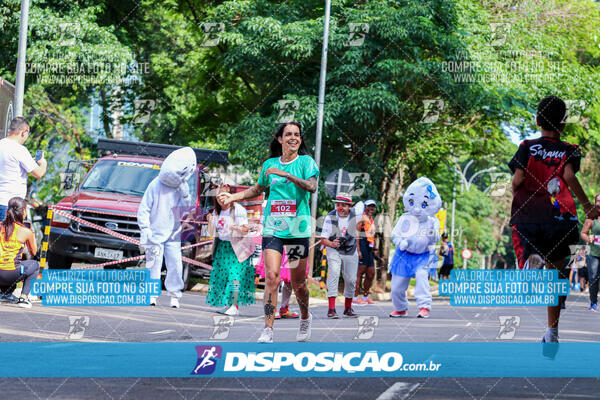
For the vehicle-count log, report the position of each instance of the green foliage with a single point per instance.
(225, 96)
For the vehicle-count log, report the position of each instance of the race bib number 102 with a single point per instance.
(283, 208)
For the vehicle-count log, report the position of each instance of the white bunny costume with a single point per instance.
(165, 202)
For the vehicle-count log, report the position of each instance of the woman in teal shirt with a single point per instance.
(591, 235)
(290, 174)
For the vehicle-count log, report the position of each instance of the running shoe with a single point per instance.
(332, 314)
(153, 301)
(593, 307)
(232, 311)
(174, 302)
(289, 314)
(23, 302)
(369, 301)
(349, 312)
(398, 314)
(423, 313)
(266, 336)
(552, 340)
(9, 298)
(359, 302)
(551, 336)
(277, 315)
(305, 329)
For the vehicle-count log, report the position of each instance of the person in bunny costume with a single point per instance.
(414, 235)
(165, 201)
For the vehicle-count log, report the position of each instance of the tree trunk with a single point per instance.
(391, 189)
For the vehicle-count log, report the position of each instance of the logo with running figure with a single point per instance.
(207, 359)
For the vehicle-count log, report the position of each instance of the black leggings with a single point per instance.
(9, 279)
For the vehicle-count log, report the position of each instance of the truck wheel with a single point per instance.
(57, 261)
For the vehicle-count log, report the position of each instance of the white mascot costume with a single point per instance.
(165, 202)
(414, 235)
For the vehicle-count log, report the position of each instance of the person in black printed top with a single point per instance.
(543, 213)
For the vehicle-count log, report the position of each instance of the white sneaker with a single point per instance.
(266, 336)
(232, 311)
(35, 299)
(24, 302)
(152, 301)
(174, 302)
(305, 329)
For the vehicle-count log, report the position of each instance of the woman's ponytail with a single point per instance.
(14, 214)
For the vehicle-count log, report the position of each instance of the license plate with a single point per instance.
(108, 254)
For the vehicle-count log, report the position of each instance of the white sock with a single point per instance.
(365, 298)
(355, 298)
(551, 335)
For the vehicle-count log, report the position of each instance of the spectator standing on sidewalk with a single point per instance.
(366, 253)
(16, 163)
(339, 236)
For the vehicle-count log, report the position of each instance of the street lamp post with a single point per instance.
(321, 108)
(20, 81)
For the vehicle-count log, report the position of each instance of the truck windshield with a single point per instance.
(125, 177)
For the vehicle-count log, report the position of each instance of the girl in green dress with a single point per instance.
(232, 276)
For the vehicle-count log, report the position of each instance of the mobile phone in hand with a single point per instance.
(39, 154)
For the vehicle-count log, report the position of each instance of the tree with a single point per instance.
(68, 55)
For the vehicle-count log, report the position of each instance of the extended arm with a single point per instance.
(254, 191)
(309, 184)
(571, 179)
(585, 232)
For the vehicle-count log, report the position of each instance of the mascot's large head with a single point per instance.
(178, 167)
(422, 198)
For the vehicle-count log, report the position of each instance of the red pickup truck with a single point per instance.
(109, 196)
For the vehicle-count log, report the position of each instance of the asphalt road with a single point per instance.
(193, 322)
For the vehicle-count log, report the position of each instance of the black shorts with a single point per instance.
(550, 240)
(445, 269)
(367, 253)
(583, 273)
(296, 248)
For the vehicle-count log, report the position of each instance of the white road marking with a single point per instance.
(476, 315)
(453, 337)
(161, 332)
(469, 324)
(399, 391)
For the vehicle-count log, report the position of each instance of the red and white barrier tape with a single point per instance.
(116, 214)
(63, 208)
(98, 227)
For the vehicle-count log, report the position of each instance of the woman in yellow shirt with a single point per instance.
(14, 236)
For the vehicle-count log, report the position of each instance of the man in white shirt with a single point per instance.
(16, 163)
(339, 235)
